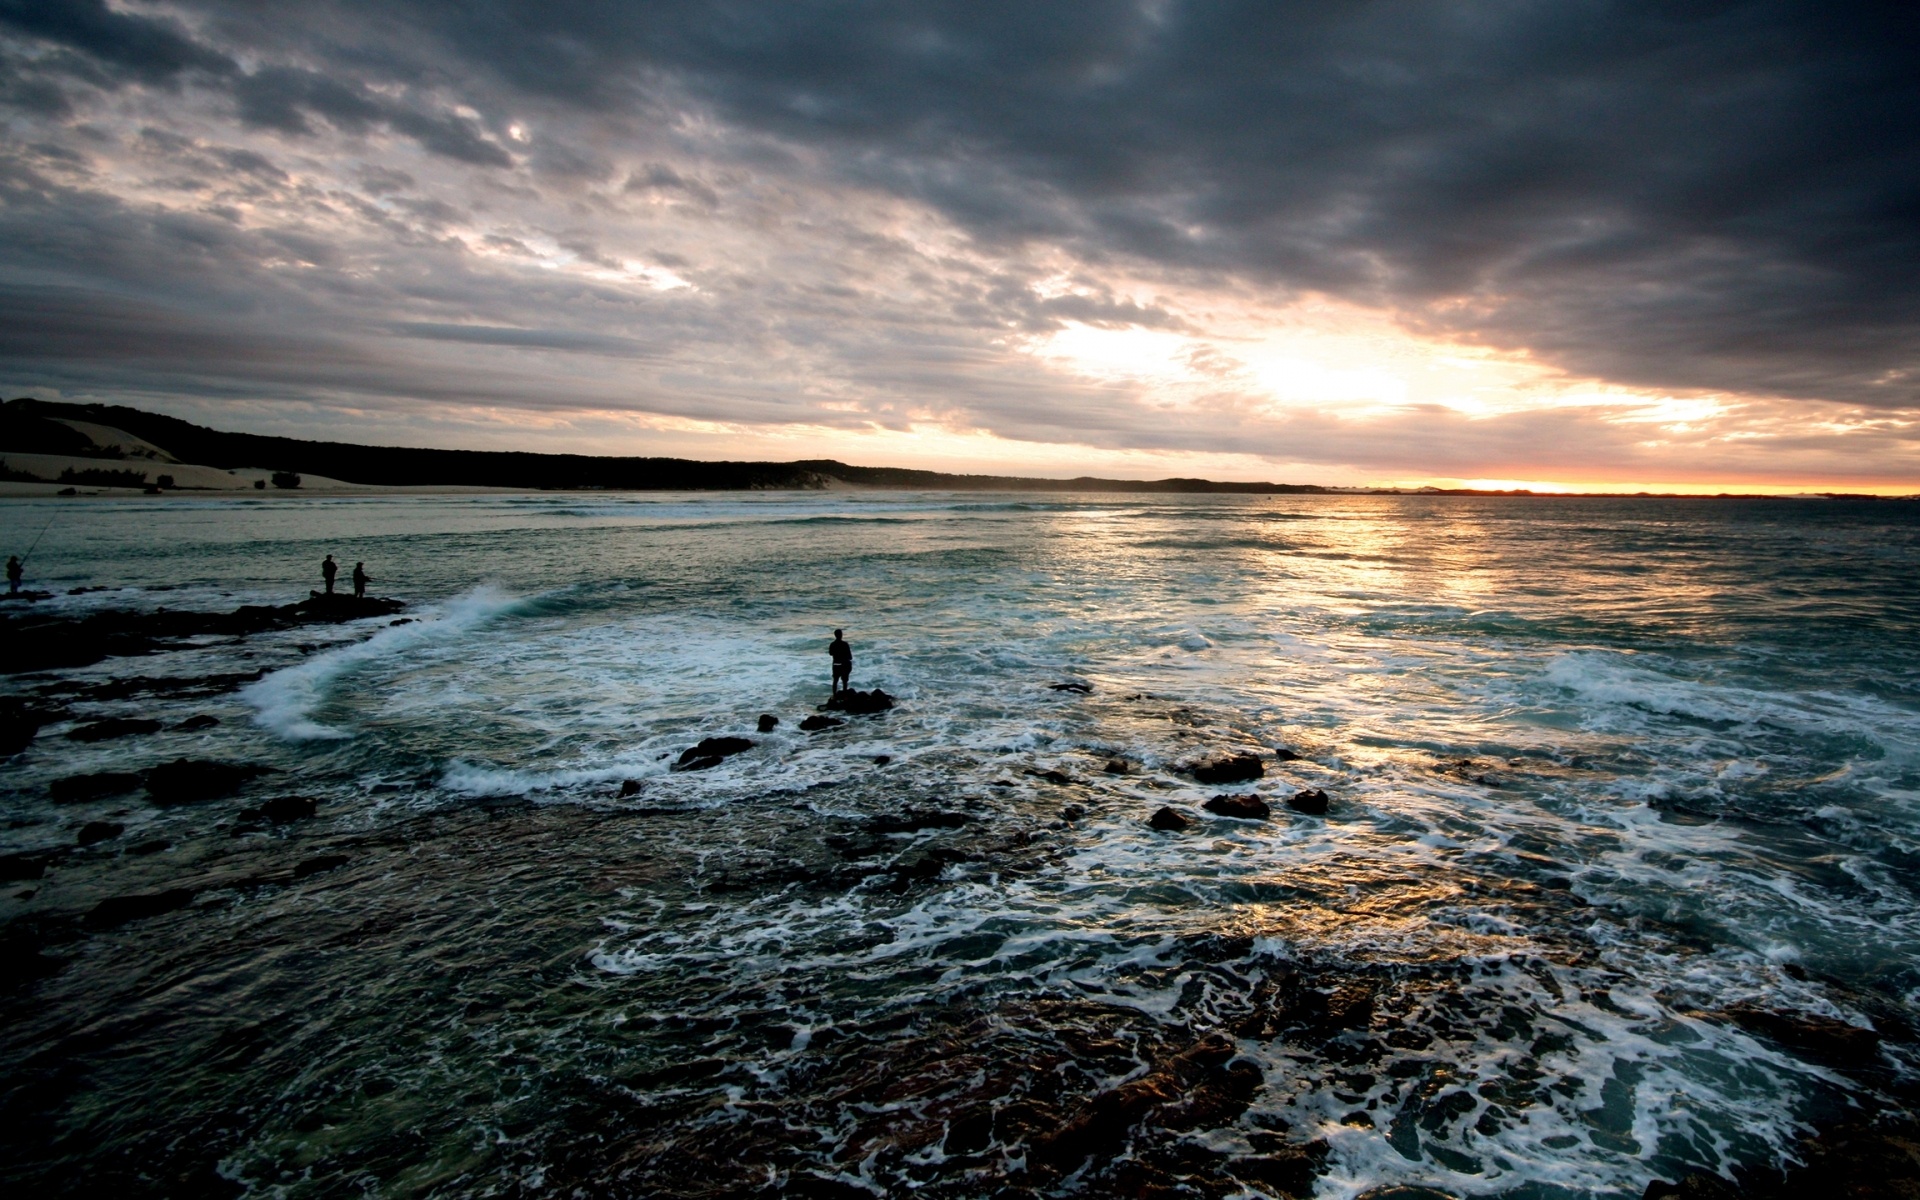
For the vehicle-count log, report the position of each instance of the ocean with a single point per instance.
(1616, 878)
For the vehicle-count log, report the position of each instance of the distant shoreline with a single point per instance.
(86, 446)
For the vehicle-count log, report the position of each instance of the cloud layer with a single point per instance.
(1655, 240)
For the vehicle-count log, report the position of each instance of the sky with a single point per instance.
(1565, 244)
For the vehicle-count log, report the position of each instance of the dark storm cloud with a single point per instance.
(1720, 196)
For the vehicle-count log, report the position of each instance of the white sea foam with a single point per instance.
(285, 701)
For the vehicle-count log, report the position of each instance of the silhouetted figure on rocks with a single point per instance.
(359, 581)
(328, 569)
(14, 571)
(842, 661)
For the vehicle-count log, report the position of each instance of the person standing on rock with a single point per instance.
(328, 569)
(842, 661)
(14, 571)
(359, 581)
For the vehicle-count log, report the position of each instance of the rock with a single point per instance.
(189, 780)
(1082, 689)
(1404, 1191)
(1169, 820)
(78, 789)
(858, 703)
(629, 787)
(114, 727)
(1199, 1088)
(816, 723)
(1290, 1171)
(1282, 754)
(40, 641)
(1228, 768)
(1072, 812)
(19, 724)
(1810, 1034)
(197, 723)
(1696, 1186)
(1313, 802)
(1117, 766)
(881, 760)
(99, 831)
(118, 910)
(709, 753)
(1246, 807)
(1055, 777)
(768, 722)
(914, 821)
(15, 867)
(319, 865)
(282, 809)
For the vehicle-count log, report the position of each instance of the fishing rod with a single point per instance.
(41, 534)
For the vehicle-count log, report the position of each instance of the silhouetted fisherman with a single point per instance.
(14, 572)
(842, 661)
(359, 581)
(328, 569)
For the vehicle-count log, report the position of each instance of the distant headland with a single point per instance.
(91, 448)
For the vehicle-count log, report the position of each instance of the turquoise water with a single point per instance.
(1601, 771)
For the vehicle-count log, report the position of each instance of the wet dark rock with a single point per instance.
(1169, 820)
(1282, 754)
(154, 846)
(1056, 777)
(21, 959)
(1246, 807)
(119, 910)
(1696, 1186)
(179, 687)
(629, 787)
(1199, 1088)
(1117, 766)
(15, 867)
(195, 724)
(1815, 1036)
(37, 641)
(1404, 1191)
(319, 865)
(78, 789)
(94, 832)
(191, 780)
(1228, 768)
(768, 723)
(1875, 1158)
(710, 752)
(881, 760)
(858, 702)
(19, 724)
(1072, 812)
(1082, 689)
(1312, 802)
(282, 809)
(816, 723)
(113, 727)
(1290, 1171)
(913, 821)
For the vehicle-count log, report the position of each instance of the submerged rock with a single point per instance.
(190, 780)
(19, 724)
(858, 702)
(629, 787)
(1312, 802)
(1169, 820)
(282, 809)
(1202, 1087)
(1055, 777)
(320, 864)
(1228, 768)
(1282, 754)
(1081, 689)
(1246, 807)
(1117, 766)
(94, 832)
(119, 910)
(113, 727)
(710, 752)
(768, 722)
(78, 789)
(1810, 1034)
(816, 723)
(197, 723)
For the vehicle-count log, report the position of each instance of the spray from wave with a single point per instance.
(285, 701)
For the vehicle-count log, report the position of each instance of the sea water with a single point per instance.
(1601, 772)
